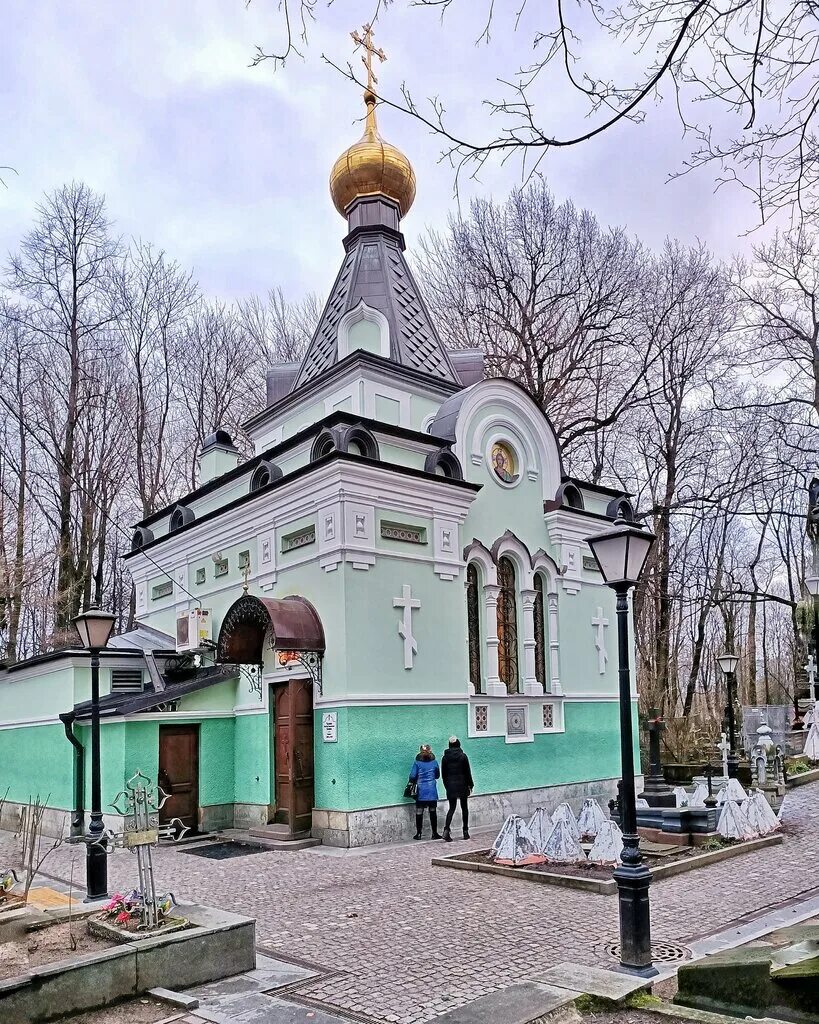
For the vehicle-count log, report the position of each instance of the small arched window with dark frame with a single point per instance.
(507, 624)
(473, 625)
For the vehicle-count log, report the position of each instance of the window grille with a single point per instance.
(201, 575)
(473, 618)
(548, 716)
(507, 625)
(162, 590)
(481, 718)
(221, 568)
(540, 633)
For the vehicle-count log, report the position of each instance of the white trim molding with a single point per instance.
(363, 313)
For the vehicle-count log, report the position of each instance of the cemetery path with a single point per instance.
(397, 940)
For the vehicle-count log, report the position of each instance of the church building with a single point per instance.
(403, 559)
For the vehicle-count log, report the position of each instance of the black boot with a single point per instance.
(419, 824)
(466, 833)
(433, 820)
(447, 835)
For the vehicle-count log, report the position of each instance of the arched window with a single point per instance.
(473, 625)
(540, 632)
(507, 625)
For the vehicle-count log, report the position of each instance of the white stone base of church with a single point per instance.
(396, 823)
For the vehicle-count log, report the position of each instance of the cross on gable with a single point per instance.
(654, 723)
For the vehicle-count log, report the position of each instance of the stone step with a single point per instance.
(287, 845)
(280, 832)
(801, 960)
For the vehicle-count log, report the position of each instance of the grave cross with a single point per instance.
(708, 772)
(655, 727)
(724, 748)
(600, 622)
(409, 604)
(139, 804)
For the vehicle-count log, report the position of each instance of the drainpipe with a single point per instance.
(78, 814)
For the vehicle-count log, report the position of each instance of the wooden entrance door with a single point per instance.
(179, 773)
(293, 741)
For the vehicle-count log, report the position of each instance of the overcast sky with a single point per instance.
(226, 166)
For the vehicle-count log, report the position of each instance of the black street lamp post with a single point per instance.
(812, 586)
(728, 663)
(95, 627)
(621, 554)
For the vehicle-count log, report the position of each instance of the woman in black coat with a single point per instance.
(457, 778)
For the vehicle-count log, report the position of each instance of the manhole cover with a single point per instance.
(661, 952)
(224, 851)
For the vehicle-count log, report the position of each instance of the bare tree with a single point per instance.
(552, 299)
(741, 77)
(60, 275)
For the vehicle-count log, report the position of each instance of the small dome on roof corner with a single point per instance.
(218, 437)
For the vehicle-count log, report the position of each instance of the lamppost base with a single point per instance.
(637, 972)
(633, 881)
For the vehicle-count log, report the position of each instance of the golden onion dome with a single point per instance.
(370, 167)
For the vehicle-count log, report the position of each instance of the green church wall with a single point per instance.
(251, 764)
(369, 765)
(375, 661)
(37, 761)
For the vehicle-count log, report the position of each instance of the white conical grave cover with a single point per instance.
(759, 813)
(591, 818)
(540, 825)
(562, 846)
(564, 812)
(515, 844)
(608, 845)
(811, 750)
(731, 790)
(733, 822)
(697, 798)
(681, 796)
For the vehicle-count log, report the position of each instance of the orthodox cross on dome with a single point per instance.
(600, 623)
(408, 603)
(366, 42)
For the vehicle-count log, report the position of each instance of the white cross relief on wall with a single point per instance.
(409, 604)
(600, 623)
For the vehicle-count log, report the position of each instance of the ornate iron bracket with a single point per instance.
(253, 675)
(310, 661)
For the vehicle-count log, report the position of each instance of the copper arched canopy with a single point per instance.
(292, 623)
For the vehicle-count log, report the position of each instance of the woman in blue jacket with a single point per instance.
(424, 772)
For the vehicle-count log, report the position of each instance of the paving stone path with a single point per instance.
(397, 940)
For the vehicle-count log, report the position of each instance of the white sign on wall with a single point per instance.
(329, 726)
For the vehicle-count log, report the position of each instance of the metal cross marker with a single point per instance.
(600, 623)
(408, 603)
(139, 804)
(724, 748)
(366, 42)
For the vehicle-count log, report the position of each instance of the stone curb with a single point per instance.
(803, 778)
(177, 999)
(607, 886)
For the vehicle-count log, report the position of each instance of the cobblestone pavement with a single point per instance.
(398, 940)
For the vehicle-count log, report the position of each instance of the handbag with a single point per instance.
(410, 790)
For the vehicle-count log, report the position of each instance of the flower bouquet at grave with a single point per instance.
(591, 818)
(124, 909)
(565, 813)
(515, 845)
(562, 845)
(608, 845)
(733, 822)
(732, 790)
(540, 825)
